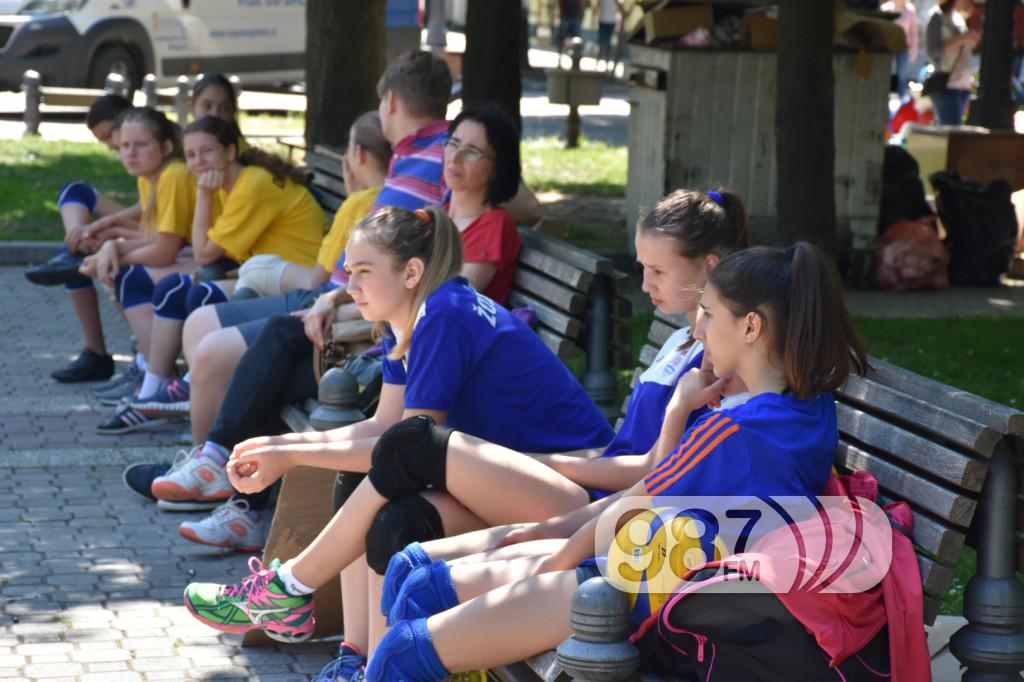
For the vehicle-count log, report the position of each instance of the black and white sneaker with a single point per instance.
(127, 420)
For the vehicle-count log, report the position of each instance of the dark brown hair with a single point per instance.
(699, 224)
(106, 108)
(366, 133)
(421, 80)
(798, 295)
(226, 133)
(216, 80)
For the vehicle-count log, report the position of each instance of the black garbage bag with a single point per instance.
(981, 228)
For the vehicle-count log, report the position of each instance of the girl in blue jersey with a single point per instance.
(454, 356)
(773, 317)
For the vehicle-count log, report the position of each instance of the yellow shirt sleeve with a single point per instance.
(355, 208)
(264, 215)
(176, 200)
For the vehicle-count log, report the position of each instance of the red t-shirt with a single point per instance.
(493, 238)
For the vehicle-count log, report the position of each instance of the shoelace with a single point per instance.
(181, 459)
(259, 577)
(231, 507)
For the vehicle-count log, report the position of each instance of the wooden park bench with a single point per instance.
(953, 456)
(579, 301)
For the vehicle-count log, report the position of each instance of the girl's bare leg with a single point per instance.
(529, 490)
(354, 583)
(505, 625)
(202, 322)
(378, 625)
(212, 365)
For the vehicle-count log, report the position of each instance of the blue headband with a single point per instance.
(715, 197)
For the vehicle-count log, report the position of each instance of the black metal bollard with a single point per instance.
(338, 397)
(598, 379)
(991, 645)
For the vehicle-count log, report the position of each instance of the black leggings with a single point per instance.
(275, 371)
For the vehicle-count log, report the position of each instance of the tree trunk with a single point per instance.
(804, 121)
(995, 107)
(491, 66)
(344, 61)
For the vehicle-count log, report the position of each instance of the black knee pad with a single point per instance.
(409, 457)
(399, 522)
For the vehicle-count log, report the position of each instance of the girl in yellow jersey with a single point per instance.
(246, 205)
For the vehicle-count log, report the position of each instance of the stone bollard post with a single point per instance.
(149, 91)
(600, 650)
(30, 82)
(181, 100)
(338, 397)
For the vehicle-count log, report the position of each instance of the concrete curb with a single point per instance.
(27, 253)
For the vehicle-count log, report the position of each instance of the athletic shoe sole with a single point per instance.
(242, 629)
(188, 505)
(191, 535)
(153, 409)
(166, 490)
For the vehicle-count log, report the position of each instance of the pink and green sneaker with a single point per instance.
(258, 602)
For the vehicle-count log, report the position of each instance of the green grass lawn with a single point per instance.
(593, 168)
(32, 171)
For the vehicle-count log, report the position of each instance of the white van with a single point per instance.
(79, 42)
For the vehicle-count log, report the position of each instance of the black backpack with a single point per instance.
(981, 228)
(902, 190)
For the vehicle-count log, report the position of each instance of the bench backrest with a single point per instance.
(927, 444)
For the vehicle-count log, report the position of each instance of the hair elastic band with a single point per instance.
(715, 197)
(425, 215)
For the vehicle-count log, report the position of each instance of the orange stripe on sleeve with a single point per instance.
(715, 424)
(695, 461)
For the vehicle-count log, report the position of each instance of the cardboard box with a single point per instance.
(760, 31)
(303, 509)
(675, 22)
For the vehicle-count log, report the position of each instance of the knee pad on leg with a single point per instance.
(133, 286)
(398, 523)
(400, 566)
(169, 297)
(407, 653)
(78, 192)
(428, 590)
(204, 293)
(409, 457)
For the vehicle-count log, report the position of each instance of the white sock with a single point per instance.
(151, 383)
(187, 378)
(293, 585)
(140, 362)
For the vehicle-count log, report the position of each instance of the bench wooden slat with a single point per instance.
(917, 491)
(1000, 417)
(330, 184)
(551, 318)
(945, 463)
(931, 609)
(559, 345)
(622, 283)
(647, 355)
(582, 259)
(660, 332)
(550, 291)
(296, 419)
(933, 536)
(351, 330)
(565, 273)
(337, 155)
(871, 396)
(935, 578)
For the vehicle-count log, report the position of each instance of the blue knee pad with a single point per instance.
(134, 286)
(204, 293)
(170, 297)
(78, 192)
(427, 591)
(400, 566)
(407, 653)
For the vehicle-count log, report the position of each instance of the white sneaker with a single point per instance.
(231, 525)
(195, 478)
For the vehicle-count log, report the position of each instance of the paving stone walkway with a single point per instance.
(91, 574)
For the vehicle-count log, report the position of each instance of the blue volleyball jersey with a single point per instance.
(773, 444)
(654, 388)
(494, 376)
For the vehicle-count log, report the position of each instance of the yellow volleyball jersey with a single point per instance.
(354, 209)
(266, 215)
(175, 199)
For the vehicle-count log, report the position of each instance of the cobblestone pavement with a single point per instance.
(91, 574)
